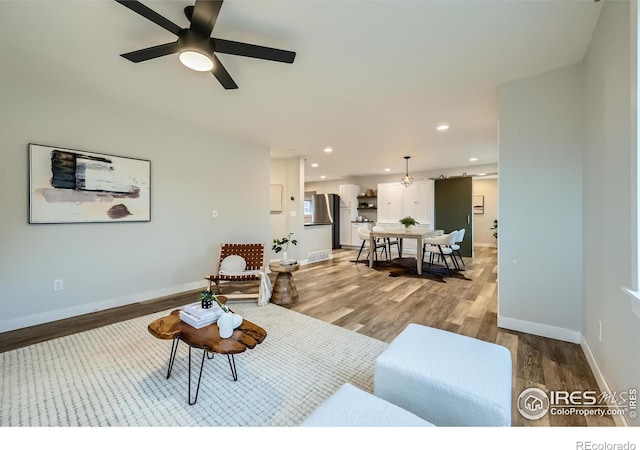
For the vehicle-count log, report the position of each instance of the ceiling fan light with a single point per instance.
(196, 61)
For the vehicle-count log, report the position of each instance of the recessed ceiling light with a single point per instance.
(473, 159)
(442, 127)
(328, 150)
(314, 165)
(481, 174)
(323, 176)
(387, 170)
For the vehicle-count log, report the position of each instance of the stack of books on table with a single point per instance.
(198, 317)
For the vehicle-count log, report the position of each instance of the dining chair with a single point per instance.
(456, 245)
(441, 246)
(388, 242)
(365, 234)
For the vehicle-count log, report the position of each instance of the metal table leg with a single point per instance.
(232, 364)
(172, 357)
(195, 399)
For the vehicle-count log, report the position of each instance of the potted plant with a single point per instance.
(408, 222)
(282, 245)
(207, 298)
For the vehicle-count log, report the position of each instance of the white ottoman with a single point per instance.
(446, 378)
(353, 407)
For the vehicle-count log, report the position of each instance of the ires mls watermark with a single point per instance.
(534, 403)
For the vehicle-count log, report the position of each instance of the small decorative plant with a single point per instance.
(408, 221)
(495, 227)
(207, 298)
(283, 244)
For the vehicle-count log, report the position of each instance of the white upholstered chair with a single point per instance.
(441, 246)
(456, 246)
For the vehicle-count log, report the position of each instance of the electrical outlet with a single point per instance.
(600, 330)
(57, 285)
(215, 213)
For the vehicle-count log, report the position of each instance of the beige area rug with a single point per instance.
(115, 376)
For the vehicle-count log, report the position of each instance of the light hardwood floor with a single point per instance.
(371, 302)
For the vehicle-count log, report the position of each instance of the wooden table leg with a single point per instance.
(372, 249)
(419, 255)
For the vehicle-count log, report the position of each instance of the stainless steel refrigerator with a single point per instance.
(326, 211)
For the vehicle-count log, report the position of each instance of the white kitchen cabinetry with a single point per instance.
(418, 202)
(390, 202)
(348, 211)
(396, 201)
(349, 195)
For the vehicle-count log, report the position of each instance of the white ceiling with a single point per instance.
(371, 79)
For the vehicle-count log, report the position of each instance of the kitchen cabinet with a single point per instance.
(418, 202)
(349, 195)
(348, 211)
(396, 201)
(390, 202)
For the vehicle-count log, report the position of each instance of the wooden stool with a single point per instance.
(284, 288)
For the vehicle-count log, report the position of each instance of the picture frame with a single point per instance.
(478, 204)
(275, 198)
(77, 186)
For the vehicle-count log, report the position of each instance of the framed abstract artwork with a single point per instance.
(73, 186)
(478, 204)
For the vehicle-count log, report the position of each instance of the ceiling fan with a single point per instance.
(196, 46)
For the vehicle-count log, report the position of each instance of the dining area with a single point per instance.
(433, 247)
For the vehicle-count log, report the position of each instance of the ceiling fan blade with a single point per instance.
(222, 75)
(150, 14)
(152, 52)
(253, 51)
(204, 15)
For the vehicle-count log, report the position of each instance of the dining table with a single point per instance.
(412, 233)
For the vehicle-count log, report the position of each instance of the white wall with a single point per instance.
(482, 223)
(104, 265)
(610, 205)
(290, 173)
(540, 190)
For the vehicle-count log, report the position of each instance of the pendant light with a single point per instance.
(406, 179)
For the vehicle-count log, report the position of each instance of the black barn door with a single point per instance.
(453, 209)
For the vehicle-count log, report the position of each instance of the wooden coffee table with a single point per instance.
(246, 336)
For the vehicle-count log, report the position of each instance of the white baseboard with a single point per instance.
(620, 421)
(539, 329)
(51, 316)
